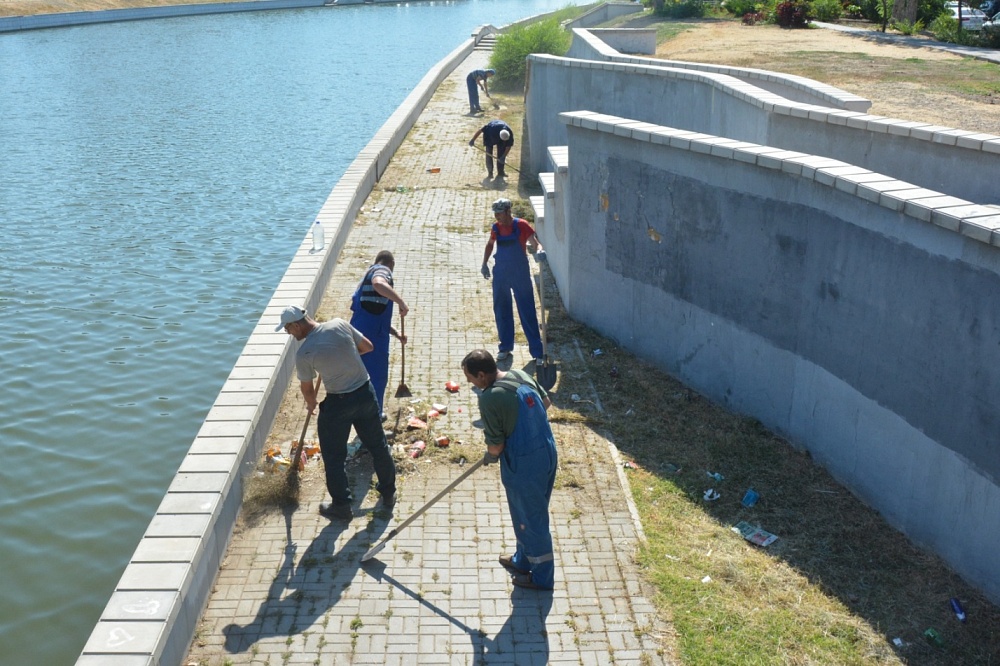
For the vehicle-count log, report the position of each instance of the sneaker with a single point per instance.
(524, 580)
(336, 511)
(388, 501)
(508, 564)
(503, 355)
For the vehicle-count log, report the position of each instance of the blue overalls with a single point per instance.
(376, 328)
(528, 472)
(512, 273)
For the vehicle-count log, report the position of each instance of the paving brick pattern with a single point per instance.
(292, 589)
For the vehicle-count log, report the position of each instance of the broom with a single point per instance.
(296, 454)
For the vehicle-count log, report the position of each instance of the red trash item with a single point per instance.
(433, 414)
(417, 448)
(442, 441)
(415, 424)
(452, 387)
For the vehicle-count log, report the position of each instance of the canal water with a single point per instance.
(156, 178)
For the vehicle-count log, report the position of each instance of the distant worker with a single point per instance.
(372, 308)
(477, 79)
(518, 435)
(496, 134)
(511, 273)
(333, 350)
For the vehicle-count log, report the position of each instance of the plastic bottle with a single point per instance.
(959, 611)
(319, 241)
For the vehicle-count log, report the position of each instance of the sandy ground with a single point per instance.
(870, 72)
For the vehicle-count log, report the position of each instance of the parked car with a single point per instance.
(972, 19)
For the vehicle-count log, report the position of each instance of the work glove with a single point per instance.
(489, 458)
(472, 142)
(485, 270)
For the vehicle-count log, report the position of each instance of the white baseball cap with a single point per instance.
(290, 315)
(504, 135)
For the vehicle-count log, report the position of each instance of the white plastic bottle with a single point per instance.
(319, 240)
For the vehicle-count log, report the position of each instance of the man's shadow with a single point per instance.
(288, 609)
(524, 628)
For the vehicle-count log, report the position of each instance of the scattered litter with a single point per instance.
(433, 414)
(417, 448)
(451, 387)
(709, 553)
(441, 408)
(462, 461)
(596, 352)
(715, 475)
(459, 410)
(415, 424)
(629, 465)
(754, 535)
(630, 412)
(614, 371)
(958, 610)
(711, 495)
(671, 468)
(415, 401)
(434, 170)
(933, 637)
(575, 397)
(442, 441)
(706, 579)
(898, 642)
(274, 458)
(672, 557)
(750, 498)
(402, 188)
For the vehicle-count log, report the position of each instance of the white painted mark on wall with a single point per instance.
(144, 607)
(119, 637)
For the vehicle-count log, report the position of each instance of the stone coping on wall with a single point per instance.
(836, 98)
(153, 611)
(975, 221)
(776, 104)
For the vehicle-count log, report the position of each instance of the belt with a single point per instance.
(349, 393)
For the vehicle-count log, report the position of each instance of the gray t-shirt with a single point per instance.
(331, 349)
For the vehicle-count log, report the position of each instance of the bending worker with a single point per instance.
(516, 426)
(496, 134)
(333, 349)
(511, 273)
(372, 308)
(477, 79)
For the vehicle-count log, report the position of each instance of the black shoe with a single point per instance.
(526, 582)
(336, 511)
(508, 564)
(388, 501)
(384, 417)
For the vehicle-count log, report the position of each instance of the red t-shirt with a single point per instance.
(524, 233)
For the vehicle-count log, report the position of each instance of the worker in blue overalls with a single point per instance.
(512, 237)
(372, 307)
(516, 426)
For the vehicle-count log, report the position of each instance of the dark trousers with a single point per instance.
(501, 158)
(337, 413)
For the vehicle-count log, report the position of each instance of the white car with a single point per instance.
(972, 19)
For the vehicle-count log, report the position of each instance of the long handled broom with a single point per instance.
(293, 470)
(403, 390)
(451, 486)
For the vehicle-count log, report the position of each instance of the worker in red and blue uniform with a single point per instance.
(372, 307)
(512, 237)
(518, 435)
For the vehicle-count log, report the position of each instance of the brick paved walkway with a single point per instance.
(292, 589)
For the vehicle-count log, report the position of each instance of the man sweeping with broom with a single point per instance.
(333, 350)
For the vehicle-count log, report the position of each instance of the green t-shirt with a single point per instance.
(499, 406)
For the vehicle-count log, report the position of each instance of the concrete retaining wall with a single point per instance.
(152, 614)
(38, 21)
(947, 160)
(602, 14)
(591, 45)
(844, 308)
(628, 40)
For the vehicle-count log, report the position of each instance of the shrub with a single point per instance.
(827, 10)
(683, 9)
(791, 14)
(908, 28)
(753, 18)
(741, 7)
(514, 46)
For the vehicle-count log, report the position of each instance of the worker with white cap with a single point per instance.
(496, 134)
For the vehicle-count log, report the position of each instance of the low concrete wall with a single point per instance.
(955, 162)
(841, 307)
(152, 614)
(628, 40)
(589, 45)
(602, 14)
(38, 21)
